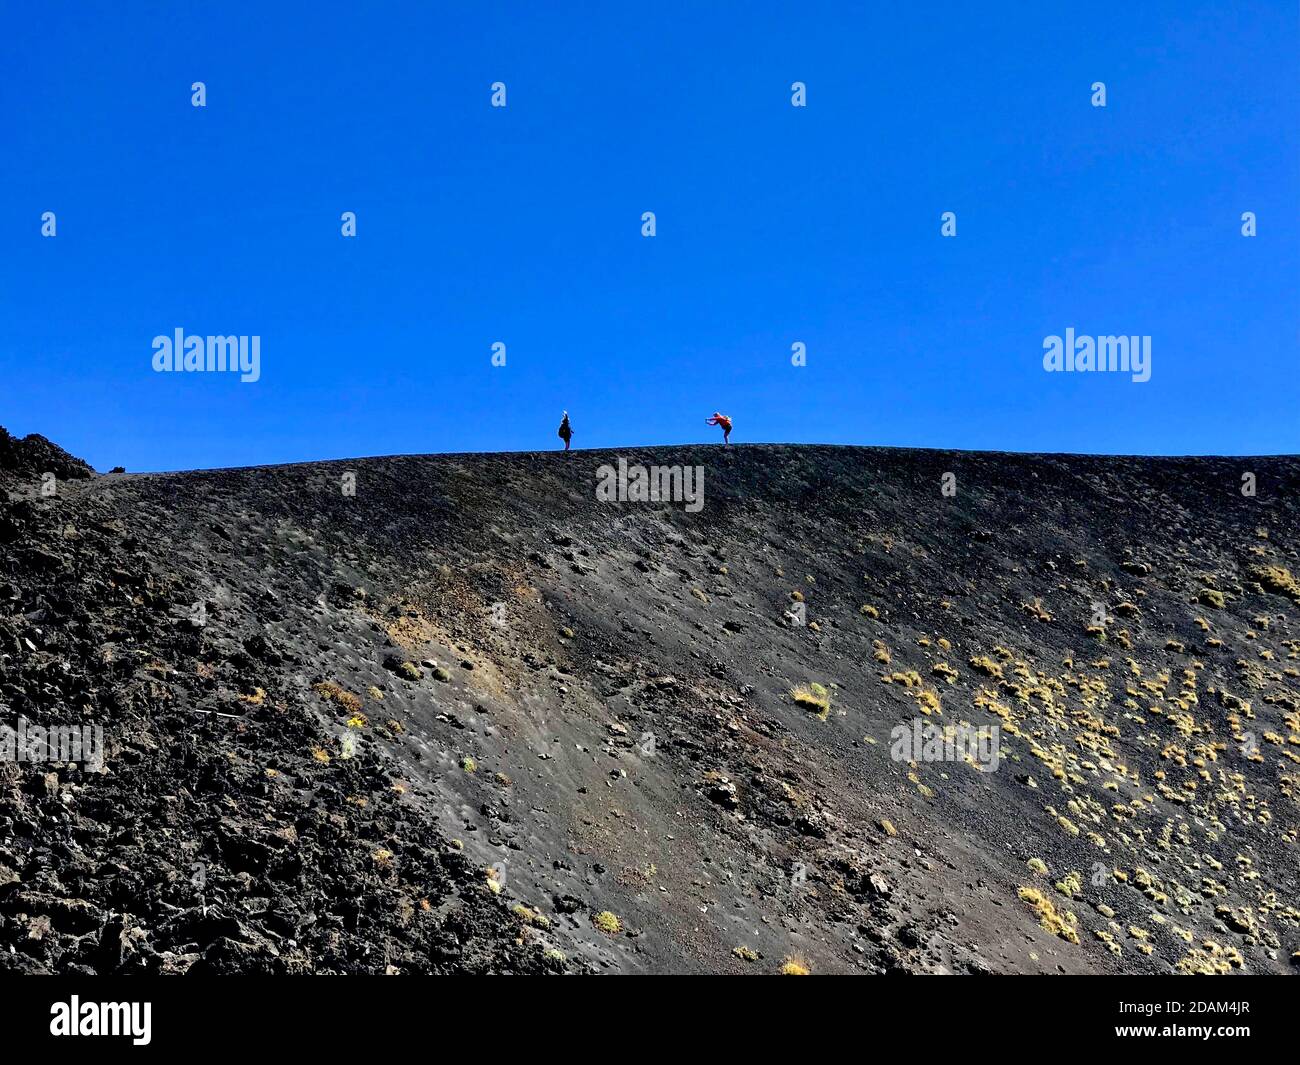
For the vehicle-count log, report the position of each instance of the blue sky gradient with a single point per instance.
(522, 225)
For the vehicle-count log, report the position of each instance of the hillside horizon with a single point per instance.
(706, 445)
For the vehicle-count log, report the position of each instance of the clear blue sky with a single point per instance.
(523, 225)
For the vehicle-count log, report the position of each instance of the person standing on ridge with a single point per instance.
(566, 431)
(725, 422)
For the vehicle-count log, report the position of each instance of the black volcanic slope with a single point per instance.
(472, 719)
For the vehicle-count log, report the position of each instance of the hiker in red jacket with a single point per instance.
(566, 431)
(725, 422)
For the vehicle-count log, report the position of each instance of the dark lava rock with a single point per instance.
(33, 456)
(276, 801)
